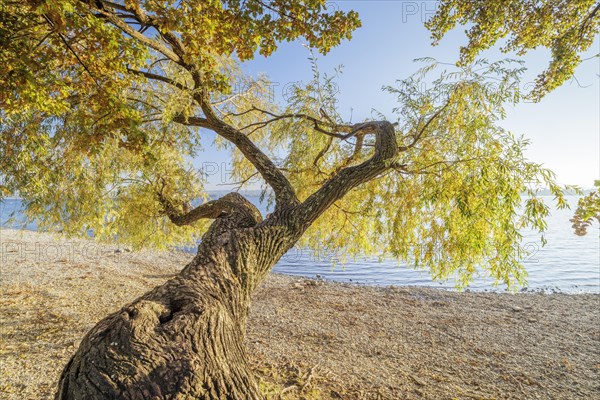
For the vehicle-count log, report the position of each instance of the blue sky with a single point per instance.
(563, 128)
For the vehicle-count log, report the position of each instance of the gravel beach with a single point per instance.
(308, 339)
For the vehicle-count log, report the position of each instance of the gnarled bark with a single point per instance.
(184, 339)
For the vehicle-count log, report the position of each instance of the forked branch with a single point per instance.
(383, 159)
(284, 192)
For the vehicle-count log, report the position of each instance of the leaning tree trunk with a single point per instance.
(184, 339)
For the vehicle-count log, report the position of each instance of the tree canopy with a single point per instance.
(90, 92)
(566, 27)
(104, 104)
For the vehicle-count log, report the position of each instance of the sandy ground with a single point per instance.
(308, 339)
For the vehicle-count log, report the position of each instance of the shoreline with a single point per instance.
(309, 339)
(478, 286)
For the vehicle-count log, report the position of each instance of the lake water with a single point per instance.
(568, 263)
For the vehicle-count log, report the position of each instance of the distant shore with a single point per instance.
(308, 339)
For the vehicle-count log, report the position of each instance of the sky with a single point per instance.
(564, 128)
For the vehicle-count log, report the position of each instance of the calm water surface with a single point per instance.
(568, 263)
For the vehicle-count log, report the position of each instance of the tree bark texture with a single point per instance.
(185, 339)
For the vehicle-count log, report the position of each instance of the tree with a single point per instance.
(104, 103)
(566, 27)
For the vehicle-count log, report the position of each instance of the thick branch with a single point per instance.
(384, 158)
(284, 192)
(192, 121)
(228, 204)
